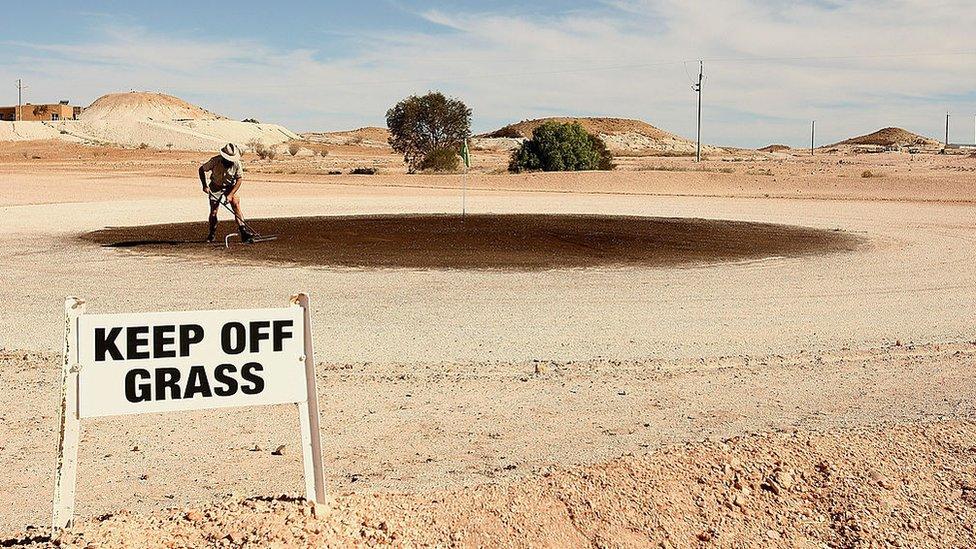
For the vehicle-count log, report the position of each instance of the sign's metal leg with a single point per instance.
(69, 426)
(308, 413)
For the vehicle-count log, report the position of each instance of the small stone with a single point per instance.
(772, 534)
(194, 515)
(279, 451)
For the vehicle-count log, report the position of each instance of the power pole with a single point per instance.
(698, 88)
(947, 132)
(813, 132)
(20, 100)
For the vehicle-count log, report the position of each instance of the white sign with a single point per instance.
(161, 362)
(119, 364)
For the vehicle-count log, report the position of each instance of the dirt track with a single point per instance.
(437, 378)
(518, 242)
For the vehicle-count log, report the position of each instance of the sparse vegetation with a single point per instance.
(143, 145)
(419, 125)
(760, 171)
(293, 148)
(869, 173)
(363, 171)
(443, 159)
(263, 151)
(672, 168)
(557, 147)
(250, 120)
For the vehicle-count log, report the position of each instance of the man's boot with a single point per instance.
(247, 236)
(212, 234)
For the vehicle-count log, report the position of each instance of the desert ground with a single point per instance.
(777, 397)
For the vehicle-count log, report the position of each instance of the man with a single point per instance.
(226, 173)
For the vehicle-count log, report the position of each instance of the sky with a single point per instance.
(771, 66)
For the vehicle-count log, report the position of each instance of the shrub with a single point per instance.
(558, 147)
(363, 171)
(443, 159)
(869, 173)
(143, 145)
(250, 120)
(293, 148)
(263, 151)
(421, 124)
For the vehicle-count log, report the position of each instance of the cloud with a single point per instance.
(771, 66)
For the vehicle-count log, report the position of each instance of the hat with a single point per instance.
(231, 152)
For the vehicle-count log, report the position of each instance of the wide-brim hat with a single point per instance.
(231, 152)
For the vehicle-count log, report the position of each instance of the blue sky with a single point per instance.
(771, 65)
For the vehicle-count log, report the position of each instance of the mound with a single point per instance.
(623, 136)
(598, 126)
(902, 486)
(144, 106)
(890, 137)
(369, 136)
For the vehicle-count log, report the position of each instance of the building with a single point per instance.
(53, 111)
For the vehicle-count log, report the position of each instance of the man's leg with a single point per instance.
(214, 206)
(246, 235)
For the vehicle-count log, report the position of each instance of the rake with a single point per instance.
(256, 237)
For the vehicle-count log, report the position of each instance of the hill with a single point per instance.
(623, 136)
(891, 137)
(144, 106)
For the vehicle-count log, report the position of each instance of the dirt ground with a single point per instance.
(558, 407)
(498, 242)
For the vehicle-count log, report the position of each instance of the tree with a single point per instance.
(421, 125)
(558, 147)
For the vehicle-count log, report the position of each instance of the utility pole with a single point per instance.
(20, 100)
(697, 88)
(947, 133)
(813, 132)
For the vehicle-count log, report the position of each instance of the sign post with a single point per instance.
(120, 364)
(69, 426)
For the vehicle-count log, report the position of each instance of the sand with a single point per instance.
(520, 242)
(443, 389)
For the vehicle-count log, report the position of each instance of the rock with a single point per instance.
(194, 516)
(279, 451)
(772, 534)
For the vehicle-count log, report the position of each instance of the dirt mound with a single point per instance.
(519, 242)
(623, 136)
(905, 486)
(890, 137)
(598, 126)
(369, 136)
(774, 148)
(144, 106)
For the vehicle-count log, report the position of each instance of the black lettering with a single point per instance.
(167, 378)
(197, 383)
(133, 342)
(162, 337)
(140, 392)
(190, 334)
(229, 382)
(258, 333)
(257, 382)
(103, 344)
(280, 334)
(236, 346)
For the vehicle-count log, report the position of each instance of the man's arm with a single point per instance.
(203, 177)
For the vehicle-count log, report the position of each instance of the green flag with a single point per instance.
(465, 154)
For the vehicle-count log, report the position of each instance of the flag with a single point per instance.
(465, 154)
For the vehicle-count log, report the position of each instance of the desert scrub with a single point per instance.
(760, 171)
(869, 173)
(556, 147)
(293, 148)
(442, 159)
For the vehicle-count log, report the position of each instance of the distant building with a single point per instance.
(29, 112)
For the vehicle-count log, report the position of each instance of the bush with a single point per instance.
(143, 145)
(444, 159)
(363, 171)
(419, 125)
(869, 173)
(250, 121)
(264, 152)
(293, 148)
(556, 147)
